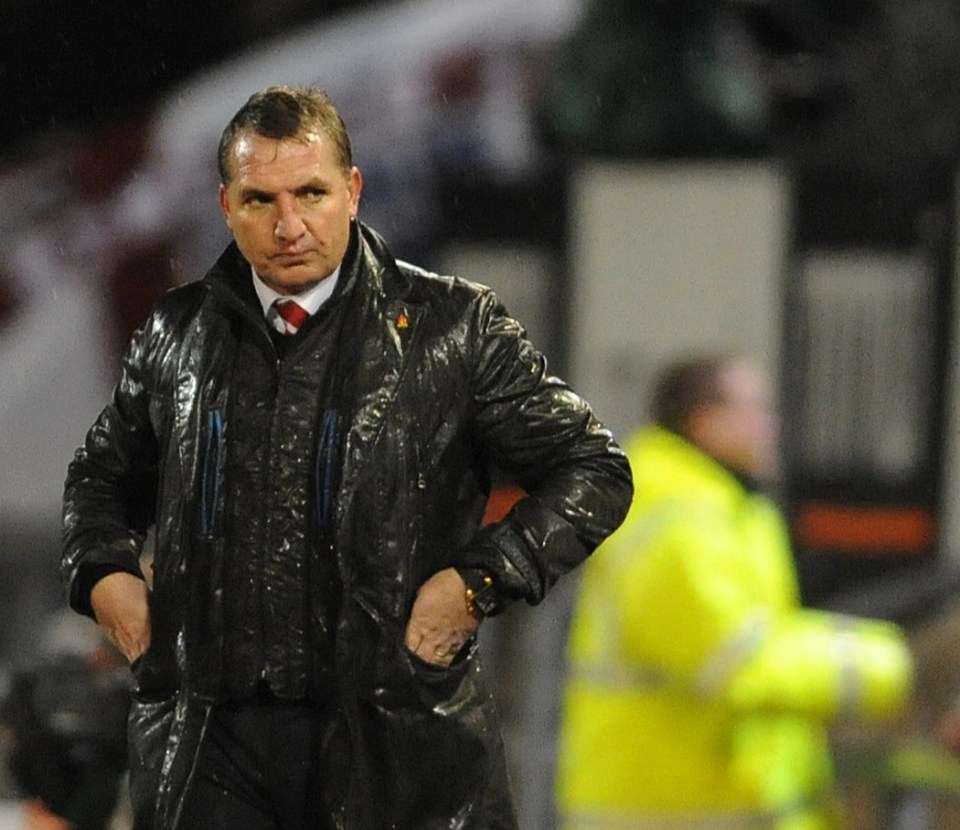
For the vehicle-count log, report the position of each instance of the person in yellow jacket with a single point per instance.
(700, 692)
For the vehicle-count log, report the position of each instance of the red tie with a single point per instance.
(293, 314)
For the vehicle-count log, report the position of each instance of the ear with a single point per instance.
(354, 186)
(224, 203)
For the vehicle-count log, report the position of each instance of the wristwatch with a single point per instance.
(481, 595)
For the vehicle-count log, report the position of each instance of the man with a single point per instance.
(306, 654)
(700, 691)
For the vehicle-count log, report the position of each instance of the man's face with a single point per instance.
(753, 420)
(741, 431)
(289, 204)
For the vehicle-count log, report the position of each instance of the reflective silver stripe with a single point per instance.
(725, 661)
(714, 673)
(607, 669)
(845, 648)
(622, 820)
(619, 676)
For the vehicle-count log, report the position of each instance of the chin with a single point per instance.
(294, 280)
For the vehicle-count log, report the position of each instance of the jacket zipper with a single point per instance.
(212, 482)
(325, 473)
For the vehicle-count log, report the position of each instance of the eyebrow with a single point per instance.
(255, 193)
(267, 195)
(313, 184)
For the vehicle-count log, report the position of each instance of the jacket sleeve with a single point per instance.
(111, 484)
(826, 665)
(546, 437)
(739, 637)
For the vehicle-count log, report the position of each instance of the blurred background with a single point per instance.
(636, 178)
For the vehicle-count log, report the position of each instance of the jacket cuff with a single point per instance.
(86, 577)
(481, 594)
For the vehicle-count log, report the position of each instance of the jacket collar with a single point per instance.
(389, 319)
(367, 260)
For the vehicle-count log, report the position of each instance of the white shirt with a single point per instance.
(310, 300)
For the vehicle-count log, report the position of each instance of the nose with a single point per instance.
(289, 225)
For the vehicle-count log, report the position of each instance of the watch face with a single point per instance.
(481, 597)
(487, 605)
(486, 598)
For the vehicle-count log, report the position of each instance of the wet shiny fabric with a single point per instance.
(442, 382)
(280, 581)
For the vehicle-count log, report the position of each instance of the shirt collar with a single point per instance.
(311, 300)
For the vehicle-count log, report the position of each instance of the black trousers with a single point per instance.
(268, 764)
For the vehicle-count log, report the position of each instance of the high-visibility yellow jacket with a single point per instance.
(700, 691)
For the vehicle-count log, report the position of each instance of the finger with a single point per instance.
(439, 657)
(132, 643)
(413, 639)
(445, 652)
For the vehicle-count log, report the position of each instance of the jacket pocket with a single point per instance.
(433, 683)
(148, 729)
(211, 483)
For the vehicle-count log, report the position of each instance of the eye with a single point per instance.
(256, 199)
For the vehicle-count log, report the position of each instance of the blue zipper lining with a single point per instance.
(210, 491)
(326, 469)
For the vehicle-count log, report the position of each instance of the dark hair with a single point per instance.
(685, 386)
(282, 112)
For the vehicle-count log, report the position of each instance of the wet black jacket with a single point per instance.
(443, 384)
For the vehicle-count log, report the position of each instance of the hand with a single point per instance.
(439, 622)
(120, 604)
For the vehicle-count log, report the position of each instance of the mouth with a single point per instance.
(290, 257)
